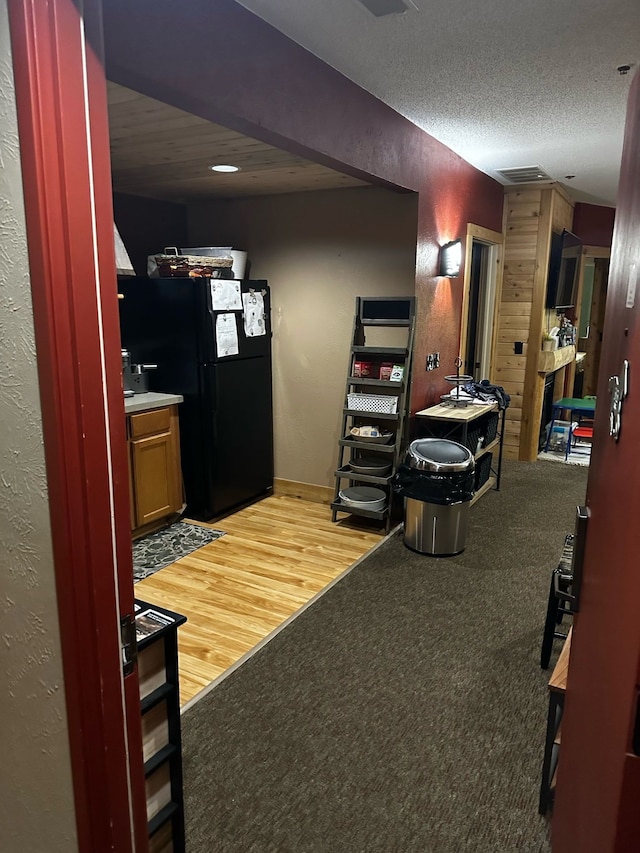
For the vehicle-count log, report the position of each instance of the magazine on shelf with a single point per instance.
(150, 621)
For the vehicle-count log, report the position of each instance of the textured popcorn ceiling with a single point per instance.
(504, 83)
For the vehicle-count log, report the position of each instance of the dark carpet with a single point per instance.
(405, 710)
(164, 547)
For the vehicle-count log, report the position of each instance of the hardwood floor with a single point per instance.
(277, 554)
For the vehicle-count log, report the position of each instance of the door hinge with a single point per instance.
(128, 644)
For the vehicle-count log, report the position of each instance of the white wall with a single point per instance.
(318, 251)
(36, 804)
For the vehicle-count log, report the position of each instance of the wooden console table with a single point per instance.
(557, 689)
(455, 424)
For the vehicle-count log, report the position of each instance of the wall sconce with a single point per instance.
(450, 259)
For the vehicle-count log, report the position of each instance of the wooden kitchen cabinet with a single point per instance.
(154, 459)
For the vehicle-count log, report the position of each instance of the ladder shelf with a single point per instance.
(396, 313)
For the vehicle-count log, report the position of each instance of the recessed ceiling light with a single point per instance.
(220, 167)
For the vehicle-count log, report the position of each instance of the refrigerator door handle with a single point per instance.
(210, 398)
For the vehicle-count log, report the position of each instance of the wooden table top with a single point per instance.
(558, 680)
(441, 412)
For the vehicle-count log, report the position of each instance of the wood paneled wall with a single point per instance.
(531, 213)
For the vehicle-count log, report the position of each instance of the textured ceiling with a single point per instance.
(502, 83)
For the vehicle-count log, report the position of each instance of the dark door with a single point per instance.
(477, 300)
(239, 431)
(593, 343)
(598, 790)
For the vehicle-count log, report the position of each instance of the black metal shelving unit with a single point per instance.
(390, 312)
(462, 425)
(160, 710)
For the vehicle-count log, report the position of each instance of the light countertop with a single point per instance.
(452, 413)
(150, 400)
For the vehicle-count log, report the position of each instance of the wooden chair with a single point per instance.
(578, 432)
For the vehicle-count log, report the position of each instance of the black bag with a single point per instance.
(442, 489)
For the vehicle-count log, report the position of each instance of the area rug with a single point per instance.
(404, 710)
(154, 552)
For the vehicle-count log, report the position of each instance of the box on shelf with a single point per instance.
(363, 369)
(385, 371)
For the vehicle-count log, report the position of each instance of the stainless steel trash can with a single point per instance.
(437, 482)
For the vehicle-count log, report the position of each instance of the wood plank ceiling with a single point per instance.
(161, 152)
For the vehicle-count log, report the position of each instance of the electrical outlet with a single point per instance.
(433, 360)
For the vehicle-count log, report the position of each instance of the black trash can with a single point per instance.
(437, 482)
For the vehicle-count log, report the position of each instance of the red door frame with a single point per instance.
(598, 793)
(63, 125)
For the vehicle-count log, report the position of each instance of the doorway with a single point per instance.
(481, 274)
(591, 323)
(288, 230)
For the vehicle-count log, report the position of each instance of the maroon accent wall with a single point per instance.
(593, 224)
(147, 225)
(223, 63)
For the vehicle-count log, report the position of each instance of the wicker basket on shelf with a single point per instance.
(379, 404)
(167, 265)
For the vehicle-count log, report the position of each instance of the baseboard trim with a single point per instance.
(305, 491)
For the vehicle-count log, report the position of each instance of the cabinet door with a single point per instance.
(154, 477)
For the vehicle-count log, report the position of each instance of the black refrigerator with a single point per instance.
(226, 420)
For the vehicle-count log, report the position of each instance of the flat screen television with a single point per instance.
(562, 280)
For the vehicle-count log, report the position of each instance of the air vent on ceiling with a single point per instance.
(524, 174)
(380, 8)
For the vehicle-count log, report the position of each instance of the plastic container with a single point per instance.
(380, 403)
